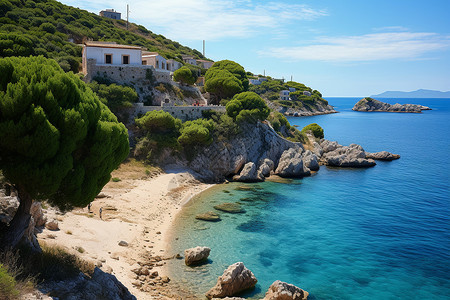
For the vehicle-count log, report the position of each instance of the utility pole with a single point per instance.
(291, 77)
(128, 12)
(264, 73)
(203, 47)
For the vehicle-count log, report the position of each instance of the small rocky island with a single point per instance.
(369, 104)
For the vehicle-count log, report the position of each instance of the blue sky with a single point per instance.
(341, 48)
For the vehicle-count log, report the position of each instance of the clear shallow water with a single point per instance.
(378, 233)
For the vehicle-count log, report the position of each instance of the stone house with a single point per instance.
(120, 63)
(205, 64)
(110, 13)
(174, 65)
(110, 53)
(188, 59)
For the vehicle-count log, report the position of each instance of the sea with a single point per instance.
(376, 233)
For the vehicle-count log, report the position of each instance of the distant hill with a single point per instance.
(414, 94)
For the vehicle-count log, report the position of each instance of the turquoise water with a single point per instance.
(378, 233)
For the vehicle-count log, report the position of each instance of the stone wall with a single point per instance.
(124, 74)
(184, 113)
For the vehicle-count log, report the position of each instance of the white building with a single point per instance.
(110, 53)
(306, 93)
(284, 95)
(291, 89)
(155, 60)
(110, 13)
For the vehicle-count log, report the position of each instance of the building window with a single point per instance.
(108, 58)
(125, 59)
(157, 64)
(162, 66)
(144, 62)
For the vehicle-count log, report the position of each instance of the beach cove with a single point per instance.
(342, 233)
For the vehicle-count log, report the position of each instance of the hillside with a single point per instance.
(299, 105)
(414, 94)
(52, 29)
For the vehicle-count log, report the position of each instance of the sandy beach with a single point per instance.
(137, 210)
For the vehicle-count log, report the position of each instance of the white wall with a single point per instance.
(98, 53)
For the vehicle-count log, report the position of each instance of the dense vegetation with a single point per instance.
(315, 129)
(52, 29)
(184, 75)
(247, 107)
(225, 79)
(58, 141)
(118, 98)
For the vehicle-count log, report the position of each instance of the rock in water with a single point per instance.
(196, 255)
(208, 216)
(382, 155)
(284, 291)
(248, 174)
(352, 156)
(236, 278)
(291, 164)
(369, 104)
(233, 208)
(310, 160)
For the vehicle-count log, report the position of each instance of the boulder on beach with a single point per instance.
(235, 279)
(196, 255)
(208, 216)
(284, 291)
(234, 208)
(52, 225)
(382, 155)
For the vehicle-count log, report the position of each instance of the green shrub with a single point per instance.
(184, 75)
(196, 133)
(8, 288)
(158, 121)
(247, 107)
(316, 130)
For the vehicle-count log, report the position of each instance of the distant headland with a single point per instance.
(414, 94)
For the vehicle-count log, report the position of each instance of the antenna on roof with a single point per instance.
(291, 77)
(203, 47)
(128, 12)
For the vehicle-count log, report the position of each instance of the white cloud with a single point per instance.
(208, 19)
(368, 47)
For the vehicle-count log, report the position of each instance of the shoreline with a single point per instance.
(139, 212)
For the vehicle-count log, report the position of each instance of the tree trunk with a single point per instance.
(16, 228)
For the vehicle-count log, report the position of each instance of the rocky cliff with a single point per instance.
(369, 104)
(258, 151)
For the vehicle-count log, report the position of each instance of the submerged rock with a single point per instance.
(382, 155)
(236, 278)
(233, 208)
(196, 255)
(284, 291)
(208, 216)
